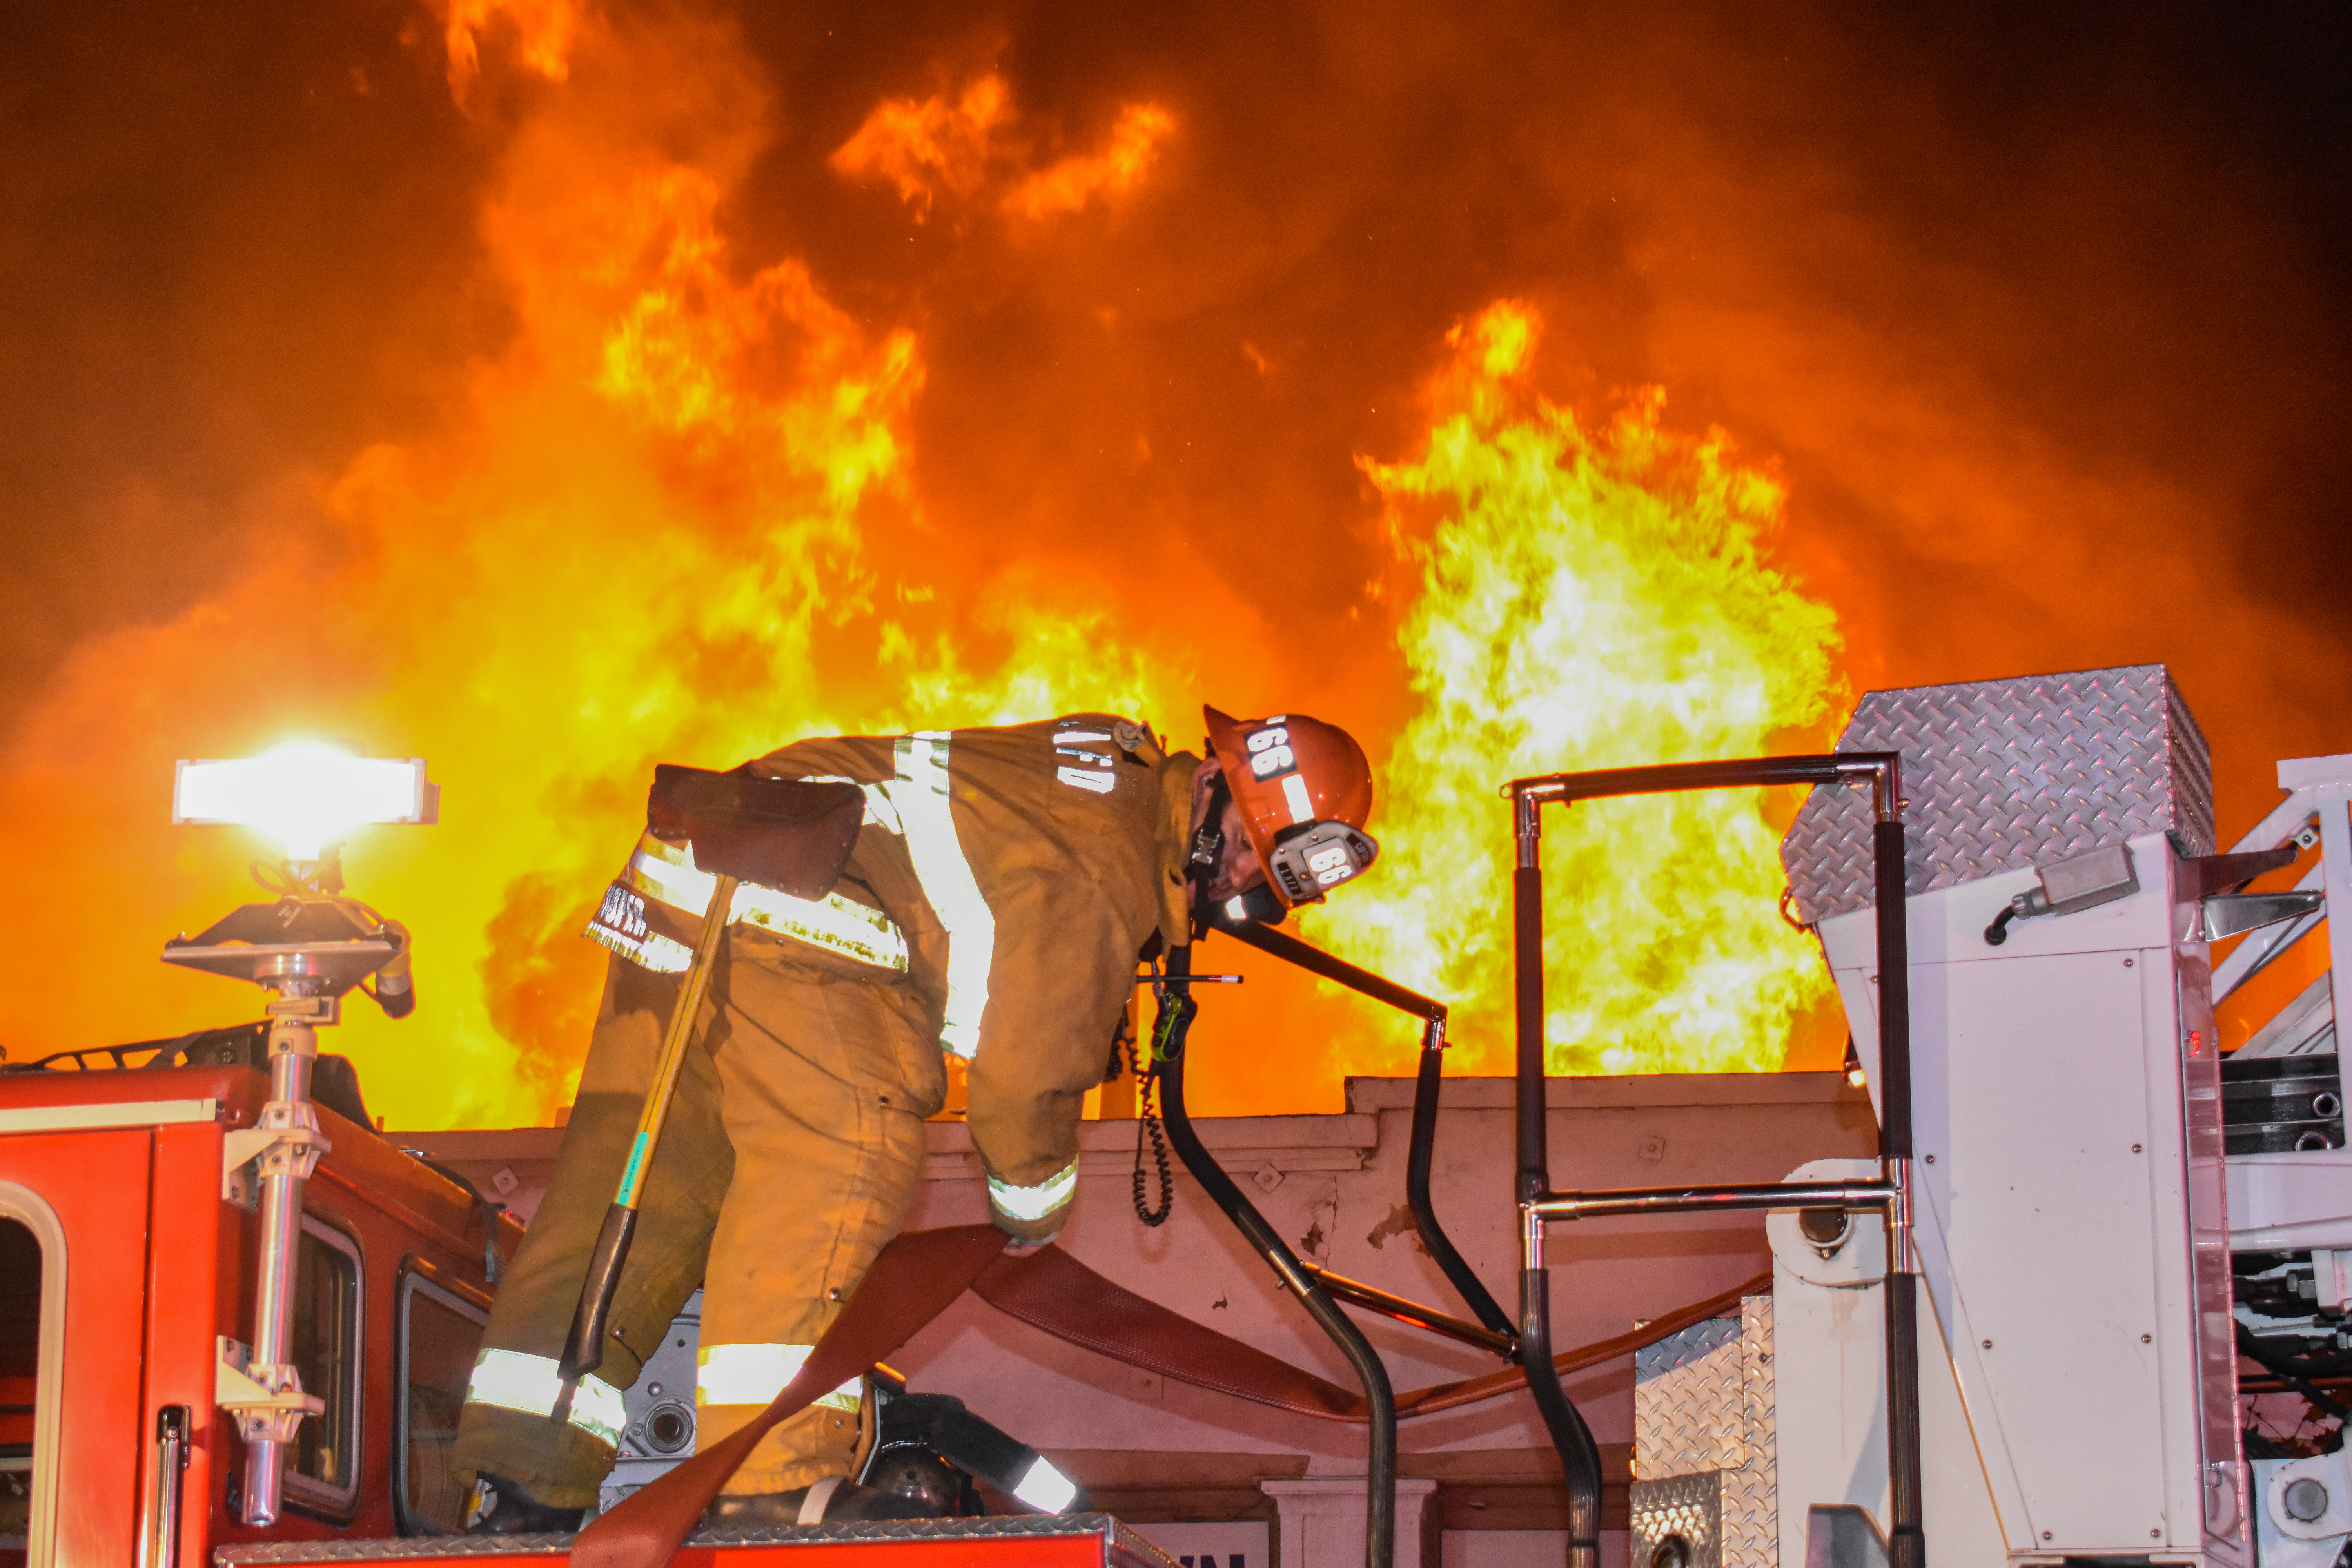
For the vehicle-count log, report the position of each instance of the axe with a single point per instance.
(784, 834)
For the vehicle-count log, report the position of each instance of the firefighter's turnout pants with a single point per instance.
(790, 1154)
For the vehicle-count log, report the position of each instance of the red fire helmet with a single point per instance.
(1306, 792)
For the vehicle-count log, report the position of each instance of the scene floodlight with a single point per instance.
(310, 946)
(305, 794)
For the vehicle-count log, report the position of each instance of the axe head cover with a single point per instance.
(785, 833)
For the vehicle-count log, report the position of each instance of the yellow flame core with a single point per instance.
(1589, 599)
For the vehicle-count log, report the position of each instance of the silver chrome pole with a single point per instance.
(286, 1164)
(159, 1543)
(1687, 1199)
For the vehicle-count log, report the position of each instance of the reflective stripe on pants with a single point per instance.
(755, 1375)
(1030, 1204)
(530, 1383)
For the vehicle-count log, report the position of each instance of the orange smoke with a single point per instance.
(543, 29)
(678, 514)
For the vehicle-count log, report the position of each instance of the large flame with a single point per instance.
(1591, 599)
(674, 518)
(672, 522)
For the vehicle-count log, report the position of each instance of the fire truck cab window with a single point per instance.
(324, 1476)
(20, 1360)
(439, 1334)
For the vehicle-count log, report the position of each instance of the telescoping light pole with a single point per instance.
(307, 949)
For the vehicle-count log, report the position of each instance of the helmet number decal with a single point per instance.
(1330, 865)
(1270, 756)
(1318, 855)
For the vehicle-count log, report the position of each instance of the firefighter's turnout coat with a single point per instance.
(1002, 883)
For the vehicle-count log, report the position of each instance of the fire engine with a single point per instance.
(238, 1323)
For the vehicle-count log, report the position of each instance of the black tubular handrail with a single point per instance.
(1687, 1200)
(1426, 1085)
(1330, 966)
(1906, 1537)
(1744, 773)
(1380, 1397)
(1372, 1298)
(1580, 1456)
(1540, 1206)
(1424, 1147)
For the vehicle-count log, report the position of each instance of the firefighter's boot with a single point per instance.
(499, 1507)
(836, 1500)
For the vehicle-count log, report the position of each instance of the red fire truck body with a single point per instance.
(154, 1246)
(127, 1249)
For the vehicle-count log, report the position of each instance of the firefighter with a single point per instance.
(1002, 885)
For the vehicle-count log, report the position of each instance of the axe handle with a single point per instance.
(583, 1352)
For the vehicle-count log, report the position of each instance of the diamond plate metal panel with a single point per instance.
(1688, 1506)
(1691, 1415)
(1706, 1448)
(1749, 1522)
(2003, 774)
(1682, 1347)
